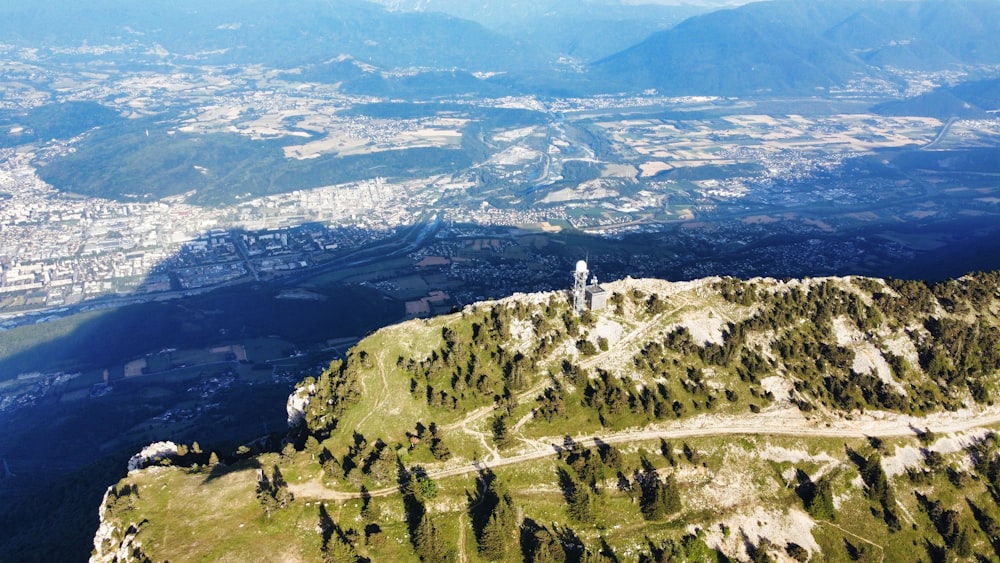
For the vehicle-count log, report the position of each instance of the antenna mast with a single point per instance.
(580, 286)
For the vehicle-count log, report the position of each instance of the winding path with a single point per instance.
(787, 422)
(765, 424)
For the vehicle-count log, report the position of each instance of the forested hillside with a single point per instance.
(719, 419)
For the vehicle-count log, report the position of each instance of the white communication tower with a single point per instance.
(580, 286)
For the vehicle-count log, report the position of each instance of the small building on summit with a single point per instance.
(597, 297)
(591, 296)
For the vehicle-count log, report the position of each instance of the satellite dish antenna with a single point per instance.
(581, 266)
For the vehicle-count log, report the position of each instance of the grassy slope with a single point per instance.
(730, 487)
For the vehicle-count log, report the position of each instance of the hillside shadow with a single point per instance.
(203, 305)
(117, 373)
(222, 469)
(80, 402)
(363, 288)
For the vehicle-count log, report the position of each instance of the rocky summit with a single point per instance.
(832, 419)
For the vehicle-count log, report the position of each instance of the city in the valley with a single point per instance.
(693, 172)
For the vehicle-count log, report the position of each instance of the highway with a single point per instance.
(941, 134)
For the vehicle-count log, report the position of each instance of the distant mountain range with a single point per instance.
(584, 30)
(785, 47)
(802, 47)
(272, 33)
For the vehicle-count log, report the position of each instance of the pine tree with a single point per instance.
(332, 468)
(424, 488)
(339, 551)
(383, 467)
(580, 503)
(424, 538)
(265, 493)
(312, 446)
(281, 493)
(492, 543)
(273, 493)
(501, 431)
(439, 450)
(821, 505)
(543, 545)
(428, 543)
(659, 498)
(671, 496)
(498, 535)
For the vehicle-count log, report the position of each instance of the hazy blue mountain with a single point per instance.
(772, 47)
(507, 13)
(275, 33)
(923, 35)
(584, 30)
(802, 46)
(975, 99)
(781, 47)
(591, 36)
(355, 76)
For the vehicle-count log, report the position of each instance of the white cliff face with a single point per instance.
(151, 454)
(109, 549)
(114, 545)
(104, 539)
(297, 404)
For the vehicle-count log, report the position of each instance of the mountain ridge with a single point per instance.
(976, 99)
(779, 47)
(797, 47)
(262, 32)
(765, 371)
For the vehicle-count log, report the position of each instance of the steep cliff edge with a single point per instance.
(834, 419)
